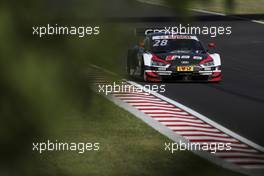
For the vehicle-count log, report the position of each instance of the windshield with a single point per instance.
(176, 45)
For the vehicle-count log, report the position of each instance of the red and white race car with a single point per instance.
(179, 57)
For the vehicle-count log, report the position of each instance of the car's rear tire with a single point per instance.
(129, 64)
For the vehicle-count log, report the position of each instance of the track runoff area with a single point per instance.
(189, 129)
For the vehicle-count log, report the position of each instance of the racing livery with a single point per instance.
(179, 57)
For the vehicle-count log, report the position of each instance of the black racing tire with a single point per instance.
(142, 70)
(128, 63)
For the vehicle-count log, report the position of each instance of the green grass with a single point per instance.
(241, 6)
(127, 147)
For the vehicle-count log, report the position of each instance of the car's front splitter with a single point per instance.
(157, 76)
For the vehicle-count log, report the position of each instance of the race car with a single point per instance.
(162, 56)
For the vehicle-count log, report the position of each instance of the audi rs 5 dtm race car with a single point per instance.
(179, 57)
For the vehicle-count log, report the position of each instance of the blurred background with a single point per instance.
(42, 79)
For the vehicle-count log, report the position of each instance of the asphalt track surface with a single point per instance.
(238, 101)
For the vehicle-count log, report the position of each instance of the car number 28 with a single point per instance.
(158, 43)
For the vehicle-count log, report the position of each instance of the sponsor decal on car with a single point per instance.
(197, 57)
(185, 68)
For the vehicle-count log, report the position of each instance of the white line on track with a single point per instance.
(200, 133)
(138, 98)
(164, 112)
(156, 107)
(193, 128)
(178, 119)
(147, 101)
(171, 115)
(134, 96)
(209, 12)
(150, 104)
(161, 3)
(244, 150)
(245, 160)
(169, 124)
(254, 167)
(205, 138)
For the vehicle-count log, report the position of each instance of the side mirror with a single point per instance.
(211, 45)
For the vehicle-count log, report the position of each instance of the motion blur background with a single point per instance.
(42, 80)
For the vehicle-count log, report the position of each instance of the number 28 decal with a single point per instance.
(160, 43)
